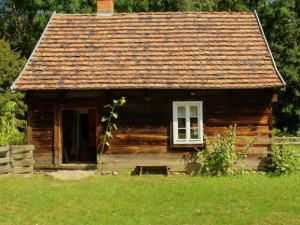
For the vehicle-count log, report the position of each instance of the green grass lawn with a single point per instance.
(297, 150)
(122, 200)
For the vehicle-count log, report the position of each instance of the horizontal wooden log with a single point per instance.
(141, 136)
(42, 124)
(42, 115)
(5, 169)
(257, 140)
(254, 150)
(241, 108)
(240, 130)
(4, 149)
(136, 149)
(146, 129)
(260, 119)
(42, 132)
(25, 162)
(16, 149)
(155, 159)
(5, 160)
(43, 146)
(42, 139)
(175, 162)
(28, 155)
(19, 170)
(79, 166)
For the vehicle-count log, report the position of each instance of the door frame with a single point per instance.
(58, 108)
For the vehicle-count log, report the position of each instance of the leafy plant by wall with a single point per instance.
(109, 126)
(282, 160)
(220, 156)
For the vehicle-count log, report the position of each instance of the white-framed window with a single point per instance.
(187, 122)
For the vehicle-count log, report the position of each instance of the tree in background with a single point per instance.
(12, 107)
(281, 23)
(23, 21)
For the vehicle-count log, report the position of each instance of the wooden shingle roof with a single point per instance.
(151, 50)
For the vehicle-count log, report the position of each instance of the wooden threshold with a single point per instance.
(79, 166)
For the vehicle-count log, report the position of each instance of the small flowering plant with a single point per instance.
(110, 126)
(220, 156)
(194, 130)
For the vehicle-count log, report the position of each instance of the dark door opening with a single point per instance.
(79, 136)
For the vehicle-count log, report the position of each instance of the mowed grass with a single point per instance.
(253, 199)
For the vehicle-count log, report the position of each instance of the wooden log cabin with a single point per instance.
(184, 74)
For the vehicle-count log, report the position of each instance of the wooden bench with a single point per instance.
(140, 169)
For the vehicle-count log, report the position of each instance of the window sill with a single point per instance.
(176, 146)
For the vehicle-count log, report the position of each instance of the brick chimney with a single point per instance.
(105, 7)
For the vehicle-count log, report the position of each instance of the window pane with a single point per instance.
(181, 134)
(194, 122)
(194, 128)
(181, 122)
(181, 111)
(194, 133)
(193, 111)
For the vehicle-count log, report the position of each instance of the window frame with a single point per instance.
(187, 105)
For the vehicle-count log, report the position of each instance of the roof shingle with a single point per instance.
(151, 50)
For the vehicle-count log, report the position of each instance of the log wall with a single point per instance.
(18, 160)
(145, 121)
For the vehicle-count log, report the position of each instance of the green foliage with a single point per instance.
(9, 132)
(11, 64)
(23, 21)
(109, 126)
(220, 156)
(281, 23)
(282, 160)
(127, 172)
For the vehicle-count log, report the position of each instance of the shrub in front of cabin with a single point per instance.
(220, 156)
(282, 160)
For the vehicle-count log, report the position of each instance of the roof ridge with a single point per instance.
(159, 13)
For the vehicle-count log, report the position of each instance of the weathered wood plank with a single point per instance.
(5, 160)
(141, 136)
(22, 148)
(25, 162)
(23, 156)
(240, 130)
(18, 170)
(42, 132)
(260, 119)
(4, 149)
(5, 169)
(136, 149)
(80, 166)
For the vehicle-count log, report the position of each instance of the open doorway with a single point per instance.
(79, 136)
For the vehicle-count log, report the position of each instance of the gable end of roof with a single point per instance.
(35, 48)
(269, 50)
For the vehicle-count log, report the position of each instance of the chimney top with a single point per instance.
(105, 7)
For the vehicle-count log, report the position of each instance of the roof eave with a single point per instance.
(35, 48)
(269, 50)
